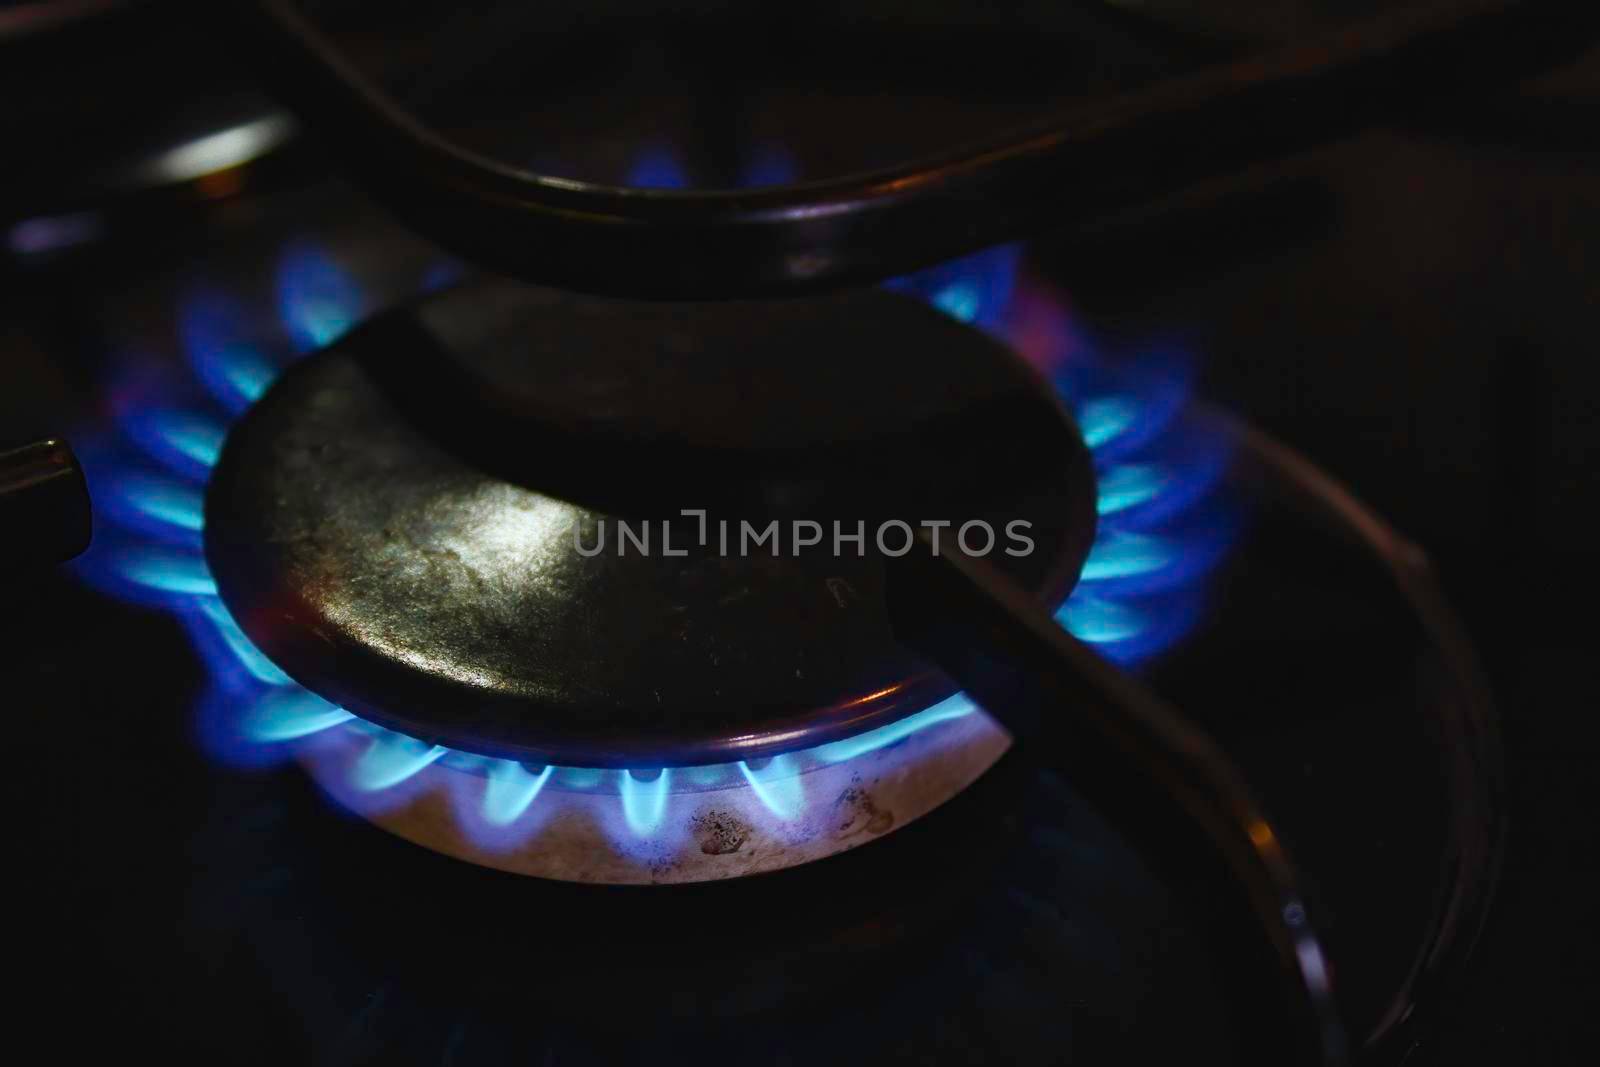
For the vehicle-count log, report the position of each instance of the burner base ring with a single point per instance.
(703, 835)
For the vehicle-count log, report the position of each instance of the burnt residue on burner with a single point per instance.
(855, 812)
(720, 832)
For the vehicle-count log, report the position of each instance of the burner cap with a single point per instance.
(407, 522)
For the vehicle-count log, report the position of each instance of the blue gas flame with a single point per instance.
(657, 167)
(318, 300)
(511, 789)
(777, 784)
(769, 163)
(1162, 529)
(644, 798)
(975, 289)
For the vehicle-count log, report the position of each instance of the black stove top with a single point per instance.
(1410, 308)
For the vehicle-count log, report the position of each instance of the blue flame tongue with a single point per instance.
(317, 299)
(777, 785)
(391, 759)
(243, 649)
(657, 167)
(288, 714)
(511, 791)
(644, 803)
(1127, 555)
(188, 442)
(954, 707)
(230, 362)
(166, 572)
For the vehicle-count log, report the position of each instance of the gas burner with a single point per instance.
(1179, 779)
(542, 716)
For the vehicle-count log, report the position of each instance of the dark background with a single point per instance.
(1417, 308)
(1430, 339)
